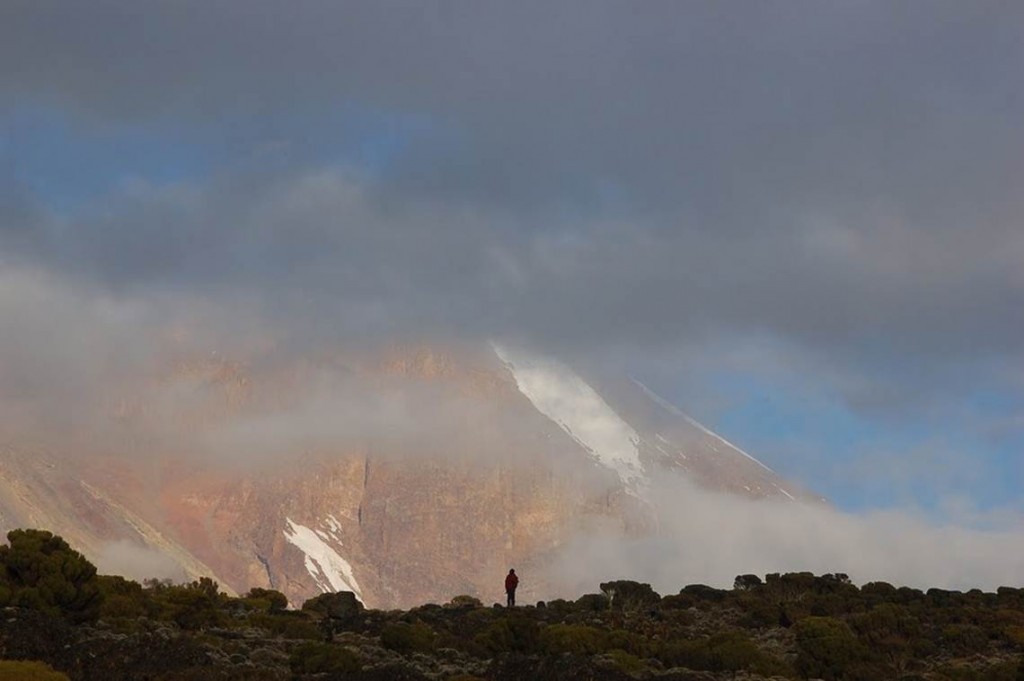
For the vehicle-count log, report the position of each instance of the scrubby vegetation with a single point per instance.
(62, 620)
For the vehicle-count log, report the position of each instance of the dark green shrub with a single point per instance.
(726, 651)
(191, 606)
(826, 648)
(746, 582)
(121, 597)
(629, 596)
(287, 624)
(677, 602)
(560, 606)
(265, 599)
(625, 662)
(408, 638)
(510, 634)
(572, 638)
(703, 592)
(321, 658)
(592, 603)
(964, 638)
(338, 605)
(38, 570)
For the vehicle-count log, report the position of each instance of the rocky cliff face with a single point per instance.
(408, 476)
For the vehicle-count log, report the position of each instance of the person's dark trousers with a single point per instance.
(511, 597)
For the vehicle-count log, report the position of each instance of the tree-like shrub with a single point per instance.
(592, 602)
(746, 582)
(38, 570)
(703, 592)
(265, 599)
(629, 596)
(338, 605)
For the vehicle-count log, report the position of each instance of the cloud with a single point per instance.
(828, 195)
(137, 562)
(709, 538)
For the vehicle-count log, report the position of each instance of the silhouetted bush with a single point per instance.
(629, 596)
(592, 603)
(338, 605)
(746, 582)
(702, 592)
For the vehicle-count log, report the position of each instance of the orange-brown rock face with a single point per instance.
(408, 477)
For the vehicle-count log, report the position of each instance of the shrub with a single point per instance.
(287, 624)
(338, 605)
(408, 638)
(38, 570)
(726, 651)
(630, 664)
(965, 638)
(703, 592)
(592, 602)
(746, 582)
(509, 634)
(121, 597)
(629, 596)
(826, 648)
(464, 601)
(265, 599)
(572, 638)
(190, 606)
(321, 658)
(28, 671)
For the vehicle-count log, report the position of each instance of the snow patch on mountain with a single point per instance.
(328, 569)
(565, 398)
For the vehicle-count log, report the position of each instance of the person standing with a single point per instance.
(511, 582)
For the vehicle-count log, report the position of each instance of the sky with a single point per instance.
(799, 221)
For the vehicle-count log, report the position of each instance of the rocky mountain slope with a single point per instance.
(404, 476)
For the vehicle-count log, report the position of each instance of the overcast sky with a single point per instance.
(801, 221)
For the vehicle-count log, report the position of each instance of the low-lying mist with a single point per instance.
(705, 537)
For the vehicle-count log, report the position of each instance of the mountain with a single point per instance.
(405, 476)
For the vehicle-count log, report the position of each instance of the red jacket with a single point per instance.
(511, 582)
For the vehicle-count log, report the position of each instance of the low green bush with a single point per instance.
(408, 638)
(22, 670)
(323, 658)
(576, 639)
